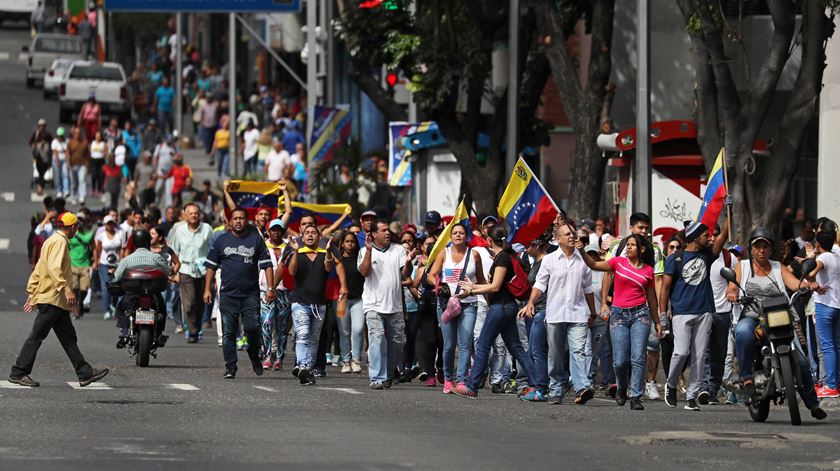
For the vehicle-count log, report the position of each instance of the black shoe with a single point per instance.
(621, 398)
(319, 373)
(25, 380)
(636, 404)
(691, 404)
(306, 377)
(703, 398)
(584, 396)
(415, 372)
(483, 383)
(256, 364)
(192, 339)
(230, 373)
(388, 383)
(816, 412)
(670, 396)
(497, 388)
(405, 377)
(713, 400)
(122, 342)
(422, 377)
(555, 400)
(95, 376)
(161, 341)
(296, 371)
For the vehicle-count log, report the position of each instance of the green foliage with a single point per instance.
(694, 25)
(330, 187)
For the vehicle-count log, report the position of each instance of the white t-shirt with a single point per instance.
(383, 290)
(277, 163)
(719, 285)
(61, 148)
(97, 150)
(109, 245)
(250, 137)
(119, 155)
(828, 277)
(486, 263)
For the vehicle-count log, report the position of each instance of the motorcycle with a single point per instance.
(777, 376)
(144, 314)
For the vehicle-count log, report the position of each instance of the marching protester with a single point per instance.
(352, 324)
(274, 315)
(190, 240)
(826, 285)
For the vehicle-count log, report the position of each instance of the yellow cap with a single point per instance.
(68, 219)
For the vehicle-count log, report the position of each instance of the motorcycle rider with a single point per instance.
(142, 257)
(762, 279)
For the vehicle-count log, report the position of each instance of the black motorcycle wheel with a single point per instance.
(759, 410)
(144, 345)
(790, 389)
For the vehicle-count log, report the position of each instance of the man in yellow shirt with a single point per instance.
(50, 290)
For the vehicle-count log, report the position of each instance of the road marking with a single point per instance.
(4, 244)
(4, 56)
(8, 385)
(23, 57)
(8, 196)
(265, 388)
(91, 386)
(182, 387)
(344, 390)
(36, 198)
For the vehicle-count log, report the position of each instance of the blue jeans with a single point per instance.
(386, 338)
(459, 331)
(501, 319)
(61, 177)
(827, 320)
(274, 317)
(205, 135)
(498, 360)
(629, 329)
(538, 348)
(104, 278)
(307, 319)
(576, 335)
(172, 298)
(351, 331)
(231, 309)
(602, 349)
(251, 165)
(745, 345)
(223, 162)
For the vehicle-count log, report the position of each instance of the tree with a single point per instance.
(445, 50)
(587, 104)
(733, 118)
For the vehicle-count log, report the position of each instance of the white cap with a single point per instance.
(108, 219)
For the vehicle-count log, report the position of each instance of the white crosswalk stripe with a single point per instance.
(90, 387)
(4, 244)
(4, 56)
(182, 387)
(265, 388)
(8, 196)
(8, 385)
(344, 390)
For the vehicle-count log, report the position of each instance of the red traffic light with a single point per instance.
(370, 4)
(391, 79)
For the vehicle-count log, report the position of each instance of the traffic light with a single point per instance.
(391, 78)
(385, 4)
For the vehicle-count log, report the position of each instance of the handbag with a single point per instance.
(453, 305)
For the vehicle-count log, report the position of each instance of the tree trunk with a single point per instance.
(587, 174)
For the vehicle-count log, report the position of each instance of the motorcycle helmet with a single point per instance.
(142, 239)
(759, 233)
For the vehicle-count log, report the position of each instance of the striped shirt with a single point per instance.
(142, 258)
(630, 283)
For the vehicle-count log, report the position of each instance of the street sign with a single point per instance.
(209, 6)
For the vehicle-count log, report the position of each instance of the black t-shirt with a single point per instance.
(310, 280)
(355, 280)
(503, 259)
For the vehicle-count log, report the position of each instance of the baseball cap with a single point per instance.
(67, 219)
(276, 223)
(490, 218)
(42, 122)
(368, 214)
(433, 217)
(108, 219)
(592, 248)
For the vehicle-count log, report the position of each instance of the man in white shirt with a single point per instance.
(570, 310)
(384, 266)
(277, 161)
(249, 147)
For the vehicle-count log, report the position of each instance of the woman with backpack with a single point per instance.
(501, 317)
(634, 305)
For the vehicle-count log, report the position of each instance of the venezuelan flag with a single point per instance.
(716, 191)
(462, 216)
(526, 206)
(255, 195)
(331, 129)
(325, 214)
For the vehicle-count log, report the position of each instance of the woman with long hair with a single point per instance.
(634, 306)
(455, 264)
(351, 326)
(501, 319)
(429, 343)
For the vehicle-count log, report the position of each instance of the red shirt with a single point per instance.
(112, 171)
(180, 175)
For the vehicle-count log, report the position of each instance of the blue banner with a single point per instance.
(215, 6)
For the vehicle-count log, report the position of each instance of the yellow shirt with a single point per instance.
(49, 282)
(222, 138)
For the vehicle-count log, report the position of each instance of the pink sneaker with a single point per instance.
(278, 366)
(431, 382)
(448, 386)
(267, 363)
(464, 391)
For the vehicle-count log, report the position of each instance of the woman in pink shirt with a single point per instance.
(634, 304)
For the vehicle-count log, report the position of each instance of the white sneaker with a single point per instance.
(652, 391)
(346, 368)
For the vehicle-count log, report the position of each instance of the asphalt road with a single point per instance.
(180, 414)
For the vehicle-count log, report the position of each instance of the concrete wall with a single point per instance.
(828, 198)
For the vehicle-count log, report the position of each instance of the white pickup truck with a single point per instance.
(47, 47)
(105, 81)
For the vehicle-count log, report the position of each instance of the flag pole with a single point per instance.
(726, 183)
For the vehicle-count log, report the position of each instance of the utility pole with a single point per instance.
(311, 67)
(179, 80)
(232, 91)
(513, 87)
(642, 183)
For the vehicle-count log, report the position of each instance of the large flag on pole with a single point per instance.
(716, 191)
(462, 216)
(526, 206)
(331, 128)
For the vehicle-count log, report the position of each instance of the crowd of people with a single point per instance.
(575, 313)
